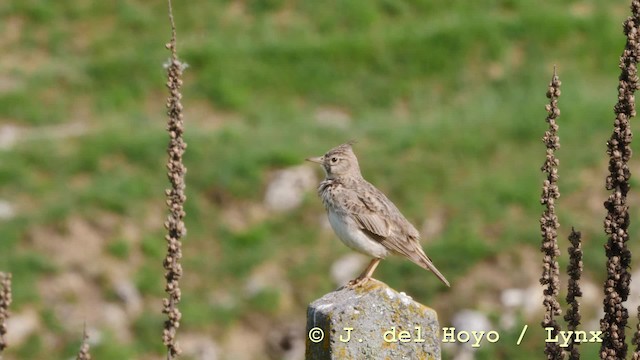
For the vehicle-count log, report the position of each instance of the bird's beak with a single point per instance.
(317, 160)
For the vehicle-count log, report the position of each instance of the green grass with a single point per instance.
(119, 248)
(445, 98)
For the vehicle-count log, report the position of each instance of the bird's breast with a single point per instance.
(352, 236)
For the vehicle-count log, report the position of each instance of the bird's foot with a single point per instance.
(359, 281)
(366, 274)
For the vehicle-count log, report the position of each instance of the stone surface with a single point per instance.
(384, 324)
(469, 320)
(288, 187)
(7, 210)
(286, 340)
(127, 291)
(348, 267)
(199, 347)
(333, 117)
(20, 326)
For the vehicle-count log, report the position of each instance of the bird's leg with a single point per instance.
(366, 274)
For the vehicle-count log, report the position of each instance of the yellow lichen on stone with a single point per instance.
(372, 311)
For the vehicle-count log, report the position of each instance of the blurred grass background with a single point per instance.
(445, 98)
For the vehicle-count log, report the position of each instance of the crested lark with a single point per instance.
(362, 216)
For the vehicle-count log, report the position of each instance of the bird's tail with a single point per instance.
(427, 264)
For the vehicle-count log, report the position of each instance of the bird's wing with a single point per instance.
(376, 215)
(372, 212)
(369, 213)
(373, 224)
(382, 221)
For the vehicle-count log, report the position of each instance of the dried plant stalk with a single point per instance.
(84, 354)
(549, 221)
(574, 270)
(616, 224)
(175, 198)
(5, 302)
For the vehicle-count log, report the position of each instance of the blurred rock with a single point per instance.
(592, 293)
(528, 303)
(117, 320)
(433, 225)
(199, 347)
(375, 312)
(243, 342)
(469, 320)
(347, 268)
(60, 131)
(77, 300)
(20, 326)
(512, 298)
(8, 136)
(73, 299)
(223, 299)
(517, 302)
(634, 291)
(130, 296)
(270, 277)
(7, 211)
(333, 117)
(95, 336)
(532, 300)
(265, 276)
(287, 342)
(241, 216)
(482, 285)
(594, 323)
(80, 246)
(288, 187)
(11, 134)
(512, 301)
(466, 354)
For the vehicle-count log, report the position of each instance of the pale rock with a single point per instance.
(199, 347)
(515, 302)
(634, 292)
(11, 134)
(469, 320)
(116, 319)
(8, 136)
(512, 298)
(130, 296)
(332, 117)
(533, 299)
(287, 342)
(592, 293)
(7, 210)
(264, 277)
(95, 336)
(243, 343)
(465, 354)
(347, 268)
(433, 225)
(20, 326)
(288, 187)
(270, 277)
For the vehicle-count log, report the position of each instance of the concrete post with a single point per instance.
(371, 322)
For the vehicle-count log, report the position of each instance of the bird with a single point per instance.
(363, 217)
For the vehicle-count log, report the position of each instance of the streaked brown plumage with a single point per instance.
(363, 217)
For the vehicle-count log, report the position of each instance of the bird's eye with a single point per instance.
(334, 160)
